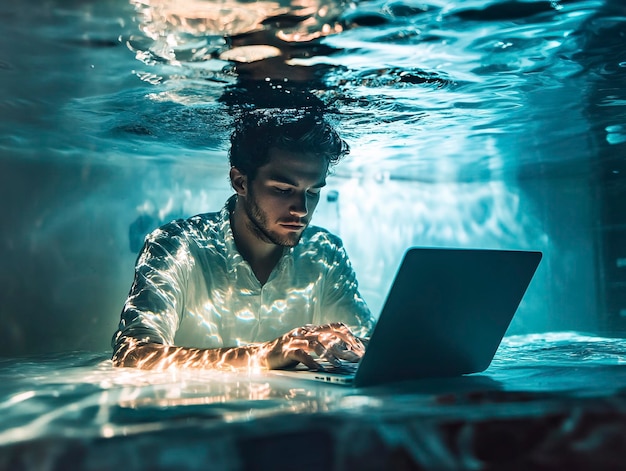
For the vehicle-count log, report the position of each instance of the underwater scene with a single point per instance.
(471, 124)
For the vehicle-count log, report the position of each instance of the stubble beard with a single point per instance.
(257, 224)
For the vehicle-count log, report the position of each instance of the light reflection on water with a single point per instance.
(81, 395)
(455, 80)
(96, 399)
(457, 77)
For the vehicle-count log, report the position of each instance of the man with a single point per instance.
(254, 284)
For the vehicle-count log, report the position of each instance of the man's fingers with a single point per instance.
(318, 348)
(332, 342)
(341, 351)
(347, 355)
(329, 338)
(332, 359)
(304, 358)
(325, 353)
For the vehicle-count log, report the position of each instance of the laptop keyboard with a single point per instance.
(343, 369)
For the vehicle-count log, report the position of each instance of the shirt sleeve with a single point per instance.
(341, 300)
(156, 300)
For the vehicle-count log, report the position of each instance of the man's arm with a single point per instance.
(150, 355)
(333, 342)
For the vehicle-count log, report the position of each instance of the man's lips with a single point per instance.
(293, 226)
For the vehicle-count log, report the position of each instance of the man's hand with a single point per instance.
(331, 342)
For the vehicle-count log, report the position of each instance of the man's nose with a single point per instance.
(299, 205)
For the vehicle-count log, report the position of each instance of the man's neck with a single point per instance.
(261, 256)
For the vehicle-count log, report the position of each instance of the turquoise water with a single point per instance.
(472, 123)
(489, 85)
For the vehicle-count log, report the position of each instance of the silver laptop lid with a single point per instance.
(446, 313)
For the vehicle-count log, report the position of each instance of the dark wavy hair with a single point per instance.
(302, 131)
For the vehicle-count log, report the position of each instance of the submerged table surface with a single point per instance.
(545, 399)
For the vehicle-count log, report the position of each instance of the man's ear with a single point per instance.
(238, 181)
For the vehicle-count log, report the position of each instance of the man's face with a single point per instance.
(281, 199)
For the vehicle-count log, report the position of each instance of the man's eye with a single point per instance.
(282, 191)
(314, 192)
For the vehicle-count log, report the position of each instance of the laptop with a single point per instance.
(445, 316)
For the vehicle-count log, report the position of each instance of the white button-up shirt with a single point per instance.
(193, 288)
